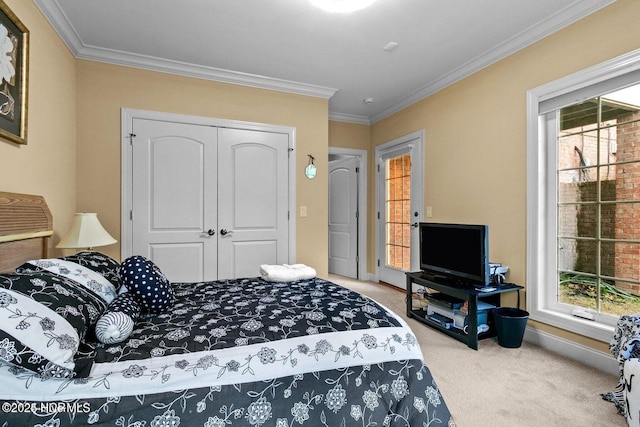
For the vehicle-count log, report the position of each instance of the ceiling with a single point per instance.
(290, 45)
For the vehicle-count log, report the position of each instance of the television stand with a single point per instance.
(470, 294)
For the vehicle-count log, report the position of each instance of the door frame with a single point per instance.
(128, 114)
(416, 147)
(362, 206)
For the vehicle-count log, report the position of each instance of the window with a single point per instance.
(598, 207)
(583, 245)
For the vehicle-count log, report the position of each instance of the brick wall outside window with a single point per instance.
(578, 213)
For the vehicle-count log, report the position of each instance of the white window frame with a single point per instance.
(542, 191)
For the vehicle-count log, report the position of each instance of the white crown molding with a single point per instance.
(349, 118)
(571, 13)
(564, 17)
(202, 72)
(55, 15)
(59, 21)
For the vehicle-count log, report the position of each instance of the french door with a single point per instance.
(399, 195)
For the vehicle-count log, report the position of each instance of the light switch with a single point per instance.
(429, 211)
(303, 211)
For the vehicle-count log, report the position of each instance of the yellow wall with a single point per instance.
(475, 153)
(47, 164)
(103, 90)
(349, 135)
(475, 132)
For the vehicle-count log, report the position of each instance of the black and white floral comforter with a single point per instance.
(243, 353)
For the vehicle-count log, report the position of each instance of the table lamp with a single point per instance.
(86, 232)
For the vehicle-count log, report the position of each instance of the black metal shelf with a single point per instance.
(466, 293)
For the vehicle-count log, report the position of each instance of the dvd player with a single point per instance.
(444, 321)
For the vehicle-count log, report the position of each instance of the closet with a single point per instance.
(208, 202)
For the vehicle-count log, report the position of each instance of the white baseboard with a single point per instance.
(368, 277)
(588, 356)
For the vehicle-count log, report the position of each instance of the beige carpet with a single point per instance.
(496, 386)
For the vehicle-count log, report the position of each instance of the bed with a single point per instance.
(242, 352)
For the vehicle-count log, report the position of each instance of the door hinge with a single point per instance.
(378, 263)
(131, 215)
(378, 215)
(357, 170)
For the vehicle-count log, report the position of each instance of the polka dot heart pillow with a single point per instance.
(148, 285)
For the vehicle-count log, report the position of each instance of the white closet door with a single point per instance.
(174, 198)
(252, 201)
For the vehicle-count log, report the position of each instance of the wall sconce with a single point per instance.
(86, 232)
(310, 170)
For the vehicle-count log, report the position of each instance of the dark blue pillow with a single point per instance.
(147, 284)
(125, 303)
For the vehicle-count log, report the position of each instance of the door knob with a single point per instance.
(211, 232)
(414, 225)
(224, 232)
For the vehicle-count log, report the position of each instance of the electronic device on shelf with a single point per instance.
(444, 300)
(498, 273)
(444, 321)
(458, 317)
(456, 254)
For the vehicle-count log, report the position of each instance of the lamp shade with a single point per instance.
(86, 232)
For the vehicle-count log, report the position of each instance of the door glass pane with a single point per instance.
(398, 212)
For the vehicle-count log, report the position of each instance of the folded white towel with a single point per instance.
(286, 272)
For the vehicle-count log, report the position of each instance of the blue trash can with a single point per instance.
(510, 324)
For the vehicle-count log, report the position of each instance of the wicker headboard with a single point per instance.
(26, 225)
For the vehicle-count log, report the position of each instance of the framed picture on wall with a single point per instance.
(14, 60)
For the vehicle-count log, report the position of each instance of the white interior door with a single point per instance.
(252, 201)
(174, 198)
(343, 217)
(400, 189)
(209, 203)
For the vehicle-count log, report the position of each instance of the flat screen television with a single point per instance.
(457, 253)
